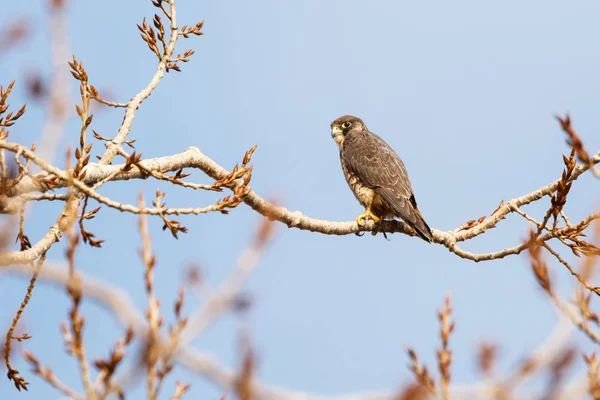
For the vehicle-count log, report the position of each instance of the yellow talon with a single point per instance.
(367, 214)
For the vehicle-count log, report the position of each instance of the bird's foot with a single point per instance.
(374, 233)
(367, 214)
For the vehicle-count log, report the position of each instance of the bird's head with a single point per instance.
(341, 126)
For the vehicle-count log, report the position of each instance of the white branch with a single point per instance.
(194, 158)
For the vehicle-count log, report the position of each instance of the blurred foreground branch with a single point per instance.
(118, 303)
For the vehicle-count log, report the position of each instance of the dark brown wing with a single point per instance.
(378, 166)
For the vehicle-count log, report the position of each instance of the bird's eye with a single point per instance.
(346, 125)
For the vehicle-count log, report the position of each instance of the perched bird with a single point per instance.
(376, 175)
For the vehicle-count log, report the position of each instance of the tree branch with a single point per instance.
(194, 158)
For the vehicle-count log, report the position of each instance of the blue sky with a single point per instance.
(465, 92)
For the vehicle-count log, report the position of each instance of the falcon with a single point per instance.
(376, 176)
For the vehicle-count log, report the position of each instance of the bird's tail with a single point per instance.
(409, 212)
(421, 227)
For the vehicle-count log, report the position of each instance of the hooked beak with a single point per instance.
(335, 130)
